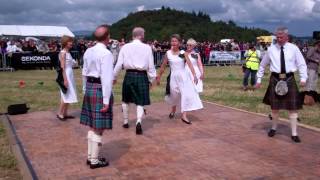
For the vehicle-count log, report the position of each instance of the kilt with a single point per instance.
(291, 101)
(92, 104)
(135, 88)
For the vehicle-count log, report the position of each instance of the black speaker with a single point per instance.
(15, 109)
(316, 35)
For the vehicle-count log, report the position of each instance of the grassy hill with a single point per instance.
(160, 24)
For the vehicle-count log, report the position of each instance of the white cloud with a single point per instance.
(140, 8)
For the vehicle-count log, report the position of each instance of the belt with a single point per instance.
(136, 71)
(282, 76)
(94, 80)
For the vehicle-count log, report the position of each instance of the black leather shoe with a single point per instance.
(99, 164)
(69, 117)
(272, 133)
(100, 159)
(139, 129)
(185, 121)
(295, 139)
(126, 126)
(171, 115)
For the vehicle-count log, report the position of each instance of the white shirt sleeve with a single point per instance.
(119, 64)
(106, 77)
(301, 64)
(152, 73)
(265, 61)
(84, 72)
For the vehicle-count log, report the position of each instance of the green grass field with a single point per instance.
(8, 164)
(222, 85)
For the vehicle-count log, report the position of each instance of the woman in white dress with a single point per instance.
(182, 89)
(196, 63)
(66, 63)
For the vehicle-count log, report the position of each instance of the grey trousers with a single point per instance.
(312, 80)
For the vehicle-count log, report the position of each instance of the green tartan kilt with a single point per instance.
(92, 104)
(135, 88)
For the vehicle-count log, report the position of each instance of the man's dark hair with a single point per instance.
(104, 36)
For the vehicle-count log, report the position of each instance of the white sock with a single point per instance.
(125, 112)
(140, 112)
(96, 141)
(275, 119)
(293, 121)
(89, 137)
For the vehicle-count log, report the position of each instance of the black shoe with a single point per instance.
(185, 121)
(272, 133)
(126, 126)
(69, 117)
(171, 115)
(99, 164)
(139, 129)
(61, 118)
(295, 139)
(100, 159)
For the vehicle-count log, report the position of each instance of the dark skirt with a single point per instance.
(92, 104)
(291, 101)
(168, 84)
(135, 88)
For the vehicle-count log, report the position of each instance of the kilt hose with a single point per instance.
(135, 88)
(92, 104)
(291, 101)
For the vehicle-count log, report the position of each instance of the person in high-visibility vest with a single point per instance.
(251, 66)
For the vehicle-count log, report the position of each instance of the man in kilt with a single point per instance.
(282, 94)
(137, 59)
(96, 112)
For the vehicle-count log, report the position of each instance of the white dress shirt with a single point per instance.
(98, 62)
(136, 55)
(293, 59)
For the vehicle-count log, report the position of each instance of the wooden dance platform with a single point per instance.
(222, 143)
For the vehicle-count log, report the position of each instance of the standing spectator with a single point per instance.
(251, 66)
(207, 51)
(313, 60)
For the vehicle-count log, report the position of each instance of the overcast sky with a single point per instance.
(301, 16)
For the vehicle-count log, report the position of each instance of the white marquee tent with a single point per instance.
(38, 31)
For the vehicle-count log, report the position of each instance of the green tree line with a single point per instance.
(161, 24)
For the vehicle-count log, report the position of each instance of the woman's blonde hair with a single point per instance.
(65, 39)
(192, 42)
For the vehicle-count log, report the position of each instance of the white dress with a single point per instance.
(182, 90)
(194, 61)
(71, 95)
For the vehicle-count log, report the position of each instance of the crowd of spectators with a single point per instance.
(159, 48)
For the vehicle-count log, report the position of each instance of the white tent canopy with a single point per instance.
(40, 31)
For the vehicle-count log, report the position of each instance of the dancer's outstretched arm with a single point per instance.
(162, 68)
(195, 79)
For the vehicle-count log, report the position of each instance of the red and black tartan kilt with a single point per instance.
(92, 104)
(291, 101)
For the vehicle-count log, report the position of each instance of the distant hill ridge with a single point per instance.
(160, 24)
